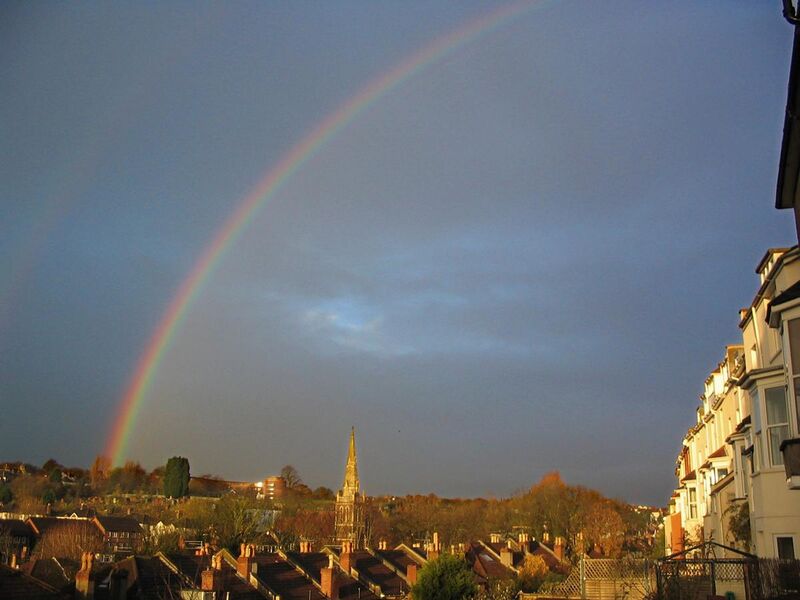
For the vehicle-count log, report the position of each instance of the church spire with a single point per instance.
(351, 470)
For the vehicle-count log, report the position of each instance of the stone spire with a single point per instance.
(350, 485)
(349, 509)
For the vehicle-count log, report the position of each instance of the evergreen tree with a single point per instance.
(446, 578)
(176, 477)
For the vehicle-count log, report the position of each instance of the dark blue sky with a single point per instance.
(527, 257)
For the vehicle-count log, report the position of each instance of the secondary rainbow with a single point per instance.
(294, 159)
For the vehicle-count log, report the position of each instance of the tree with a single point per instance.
(498, 589)
(5, 493)
(533, 573)
(323, 493)
(176, 477)
(739, 523)
(291, 476)
(129, 478)
(446, 578)
(99, 471)
(55, 475)
(51, 464)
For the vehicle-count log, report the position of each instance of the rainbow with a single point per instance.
(147, 365)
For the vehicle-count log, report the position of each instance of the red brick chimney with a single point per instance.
(84, 579)
(306, 548)
(494, 538)
(13, 563)
(525, 542)
(546, 537)
(346, 557)
(246, 560)
(211, 578)
(411, 573)
(507, 556)
(558, 548)
(328, 580)
(383, 545)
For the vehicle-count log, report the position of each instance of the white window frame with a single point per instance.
(769, 427)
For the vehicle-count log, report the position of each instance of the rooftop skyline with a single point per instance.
(522, 250)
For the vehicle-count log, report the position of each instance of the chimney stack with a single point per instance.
(13, 563)
(84, 579)
(558, 548)
(328, 580)
(305, 548)
(494, 538)
(346, 557)
(246, 561)
(435, 547)
(507, 556)
(211, 578)
(411, 573)
(546, 537)
(383, 545)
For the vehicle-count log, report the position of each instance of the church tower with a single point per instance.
(350, 501)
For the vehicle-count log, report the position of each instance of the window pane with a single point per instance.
(776, 406)
(785, 547)
(776, 436)
(797, 397)
(755, 412)
(794, 345)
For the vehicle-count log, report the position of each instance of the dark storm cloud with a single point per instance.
(525, 258)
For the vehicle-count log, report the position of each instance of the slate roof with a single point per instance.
(149, 578)
(312, 564)
(17, 528)
(118, 524)
(398, 559)
(282, 578)
(16, 585)
(518, 557)
(190, 565)
(58, 574)
(374, 571)
(42, 524)
(484, 564)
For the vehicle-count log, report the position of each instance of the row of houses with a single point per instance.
(332, 573)
(106, 537)
(738, 470)
(737, 482)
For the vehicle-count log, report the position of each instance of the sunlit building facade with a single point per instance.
(731, 463)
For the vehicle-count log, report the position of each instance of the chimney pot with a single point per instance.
(245, 562)
(84, 579)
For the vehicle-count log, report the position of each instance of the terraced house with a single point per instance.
(734, 470)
